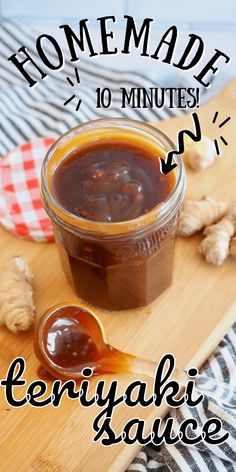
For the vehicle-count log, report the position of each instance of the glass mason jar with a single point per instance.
(119, 265)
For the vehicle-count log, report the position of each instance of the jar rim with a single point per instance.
(158, 215)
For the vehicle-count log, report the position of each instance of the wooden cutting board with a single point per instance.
(188, 320)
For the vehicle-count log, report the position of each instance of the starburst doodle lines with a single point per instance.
(72, 97)
(223, 140)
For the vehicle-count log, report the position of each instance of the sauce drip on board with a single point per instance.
(110, 181)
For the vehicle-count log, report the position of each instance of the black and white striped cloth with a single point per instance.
(30, 113)
(221, 366)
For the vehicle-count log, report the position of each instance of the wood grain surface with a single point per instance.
(189, 320)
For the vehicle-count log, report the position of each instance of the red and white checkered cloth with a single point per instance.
(21, 209)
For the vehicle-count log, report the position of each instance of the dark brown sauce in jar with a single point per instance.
(111, 181)
(103, 189)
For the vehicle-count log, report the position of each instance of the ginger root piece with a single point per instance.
(216, 245)
(17, 309)
(200, 155)
(195, 215)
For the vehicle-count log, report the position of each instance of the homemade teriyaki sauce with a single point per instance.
(110, 182)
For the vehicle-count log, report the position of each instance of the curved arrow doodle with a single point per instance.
(167, 166)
